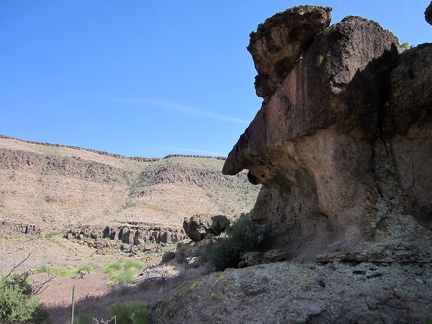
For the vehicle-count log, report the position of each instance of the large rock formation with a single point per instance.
(342, 147)
(428, 13)
(345, 136)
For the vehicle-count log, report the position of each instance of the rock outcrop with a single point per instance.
(127, 238)
(198, 226)
(333, 145)
(342, 147)
(303, 293)
(30, 229)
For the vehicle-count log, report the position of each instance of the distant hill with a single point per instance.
(55, 187)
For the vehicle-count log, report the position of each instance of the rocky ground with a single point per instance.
(290, 292)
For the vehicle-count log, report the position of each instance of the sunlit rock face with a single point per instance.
(344, 135)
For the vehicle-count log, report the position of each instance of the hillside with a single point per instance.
(55, 187)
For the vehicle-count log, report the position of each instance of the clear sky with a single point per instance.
(147, 78)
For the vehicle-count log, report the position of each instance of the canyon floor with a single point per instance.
(94, 291)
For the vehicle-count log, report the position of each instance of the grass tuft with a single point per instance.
(129, 313)
(124, 273)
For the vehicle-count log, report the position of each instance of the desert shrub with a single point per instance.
(44, 268)
(18, 304)
(122, 277)
(130, 312)
(114, 267)
(244, 236)
(123, 273)
(132, 265)
(85, 318)
(65, 272)
(140, 316)
(54, 234)
(86, 267)
(68, 271)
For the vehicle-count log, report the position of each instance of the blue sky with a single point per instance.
(147, 78)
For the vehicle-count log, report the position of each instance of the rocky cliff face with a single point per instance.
(343, 135)
(342, 147)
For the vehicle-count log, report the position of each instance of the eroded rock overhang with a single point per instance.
(339, 122)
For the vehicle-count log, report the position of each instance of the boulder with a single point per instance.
(198, 226)
(251, 259)
(192, 254)
(275, 255)
(194, 229)
(219, 223)
(168, 256)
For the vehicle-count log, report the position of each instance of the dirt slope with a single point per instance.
(55, 187)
